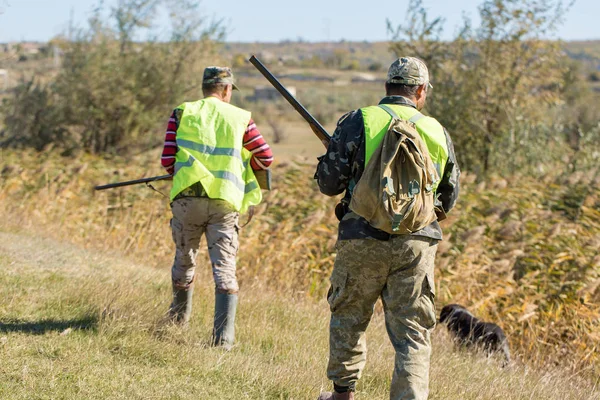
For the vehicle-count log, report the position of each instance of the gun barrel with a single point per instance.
(134, 182)
(317, 127)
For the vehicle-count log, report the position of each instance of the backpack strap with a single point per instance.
(414, 119)
(389, 111)
(417, 117)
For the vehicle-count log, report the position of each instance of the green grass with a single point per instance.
(118, 346)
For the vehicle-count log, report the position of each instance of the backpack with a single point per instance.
(396, 191)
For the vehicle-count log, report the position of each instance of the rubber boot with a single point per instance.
(223, 329)
(180, 310)
(336, 396)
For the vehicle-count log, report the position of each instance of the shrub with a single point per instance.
(375, 67)
(238, 61)
(110, 90)
(352, 65)
(33, 116)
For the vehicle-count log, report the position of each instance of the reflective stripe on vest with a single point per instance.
(214, 151)
(210, 151)
(377, 121)
(247, 188)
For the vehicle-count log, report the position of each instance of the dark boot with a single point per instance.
(180, 310)
(223, 329)
(336, 396)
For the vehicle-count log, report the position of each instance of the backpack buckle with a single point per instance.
(388, 186)
(413, 188)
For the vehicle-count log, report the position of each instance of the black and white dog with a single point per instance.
(470, 331)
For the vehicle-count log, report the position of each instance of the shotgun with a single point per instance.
(316, 127)
(263, 177)
(134, 182)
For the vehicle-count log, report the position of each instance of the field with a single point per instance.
(85, 282)
(81, 324)
(85, 275)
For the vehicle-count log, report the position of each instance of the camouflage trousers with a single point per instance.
(197, 216)
(400, 271)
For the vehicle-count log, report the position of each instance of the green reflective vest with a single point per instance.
(210, 151)
(377, 121)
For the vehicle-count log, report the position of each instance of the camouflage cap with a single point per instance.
(408, 71)
(218, 75)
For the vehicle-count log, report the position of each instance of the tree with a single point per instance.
(111, 90)
(493, 84)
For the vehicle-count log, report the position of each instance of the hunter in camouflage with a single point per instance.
(372, 264)
(409, 71)
(400, 271)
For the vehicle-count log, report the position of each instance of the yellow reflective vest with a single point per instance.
(210, 151)
(377, 121)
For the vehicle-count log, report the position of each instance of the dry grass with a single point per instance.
(523, 253)
(81, 324)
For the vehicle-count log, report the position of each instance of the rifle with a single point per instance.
(316, 127)
(263, 177)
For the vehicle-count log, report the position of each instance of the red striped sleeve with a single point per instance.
(262, 156)
(170, 148)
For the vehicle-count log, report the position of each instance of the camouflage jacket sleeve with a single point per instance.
(338, 165)
(449, 186)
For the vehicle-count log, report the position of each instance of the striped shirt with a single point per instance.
(262, 156)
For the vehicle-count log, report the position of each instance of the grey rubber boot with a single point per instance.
(180, 310)
(224, 330)
(336, 396)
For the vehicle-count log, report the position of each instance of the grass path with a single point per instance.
(76, 324)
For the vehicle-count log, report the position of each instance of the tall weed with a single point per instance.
(522, 252)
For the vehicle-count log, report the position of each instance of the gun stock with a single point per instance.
(263, 177)
(316, 127)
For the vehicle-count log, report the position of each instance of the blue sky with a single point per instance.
(275, 20)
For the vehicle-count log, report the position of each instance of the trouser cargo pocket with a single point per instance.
(427, 303)
(335, 295)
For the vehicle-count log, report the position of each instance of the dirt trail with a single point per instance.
(25, 251)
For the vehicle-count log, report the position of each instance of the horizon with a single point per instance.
(284, 41)
(267, 21)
